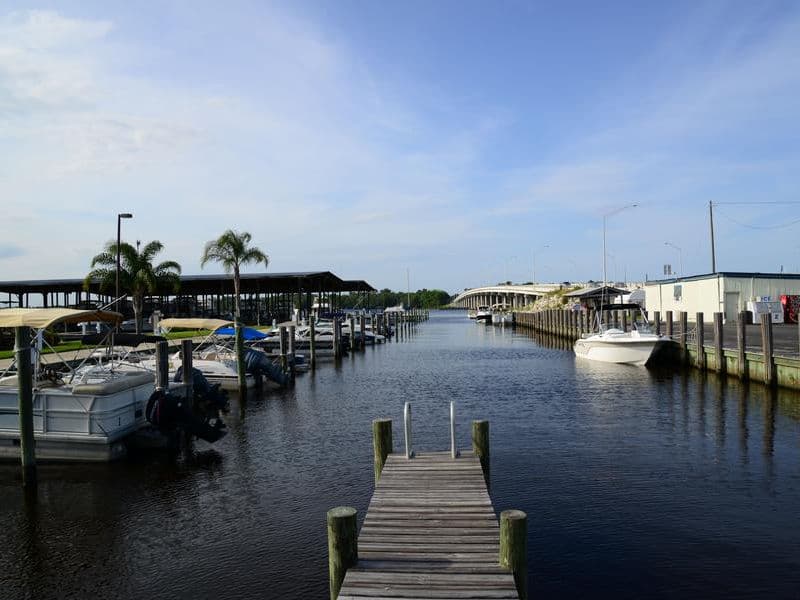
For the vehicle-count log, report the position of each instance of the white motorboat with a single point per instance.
(483, 314)
(82, 413)
(616, 346)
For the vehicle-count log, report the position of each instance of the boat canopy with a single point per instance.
(42, 318)
(248, 333)
(193, 323)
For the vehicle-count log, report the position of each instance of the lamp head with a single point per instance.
(125, 215)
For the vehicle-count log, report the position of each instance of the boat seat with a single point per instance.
(115, 385)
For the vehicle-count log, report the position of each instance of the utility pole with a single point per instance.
(711, 223)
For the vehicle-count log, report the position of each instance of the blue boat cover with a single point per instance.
(248, 332)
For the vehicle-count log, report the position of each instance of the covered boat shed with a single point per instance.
(594, 297)
(265, 296)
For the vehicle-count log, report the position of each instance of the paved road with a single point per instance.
(786, 337)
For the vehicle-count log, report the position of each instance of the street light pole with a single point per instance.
(120, 216)
(680, 254)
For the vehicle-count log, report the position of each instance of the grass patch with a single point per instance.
(65, 347)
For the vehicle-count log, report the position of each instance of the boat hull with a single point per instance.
(623, 351)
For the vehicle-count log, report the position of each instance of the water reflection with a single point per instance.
(641, 482)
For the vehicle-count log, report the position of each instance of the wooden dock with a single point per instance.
(430, 529)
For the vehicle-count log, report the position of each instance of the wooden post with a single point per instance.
(292, 340)
(342, 545)
(162, 365)
(670, 328)
(352, 322)
(362, 326)
(381, 444)
(27, 449)
(186, 359)
(480, 446)
(283, 342)
(407, 430)
(701, 340)
(625, 320)
(514, 548)
(312, 344)
(682, 317)
(657, 321)
(240, 366)
(741, 344)
(766, 345)
(719, 350)
(337, 339)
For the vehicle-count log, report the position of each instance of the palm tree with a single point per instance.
(137, 275)
(232, 251)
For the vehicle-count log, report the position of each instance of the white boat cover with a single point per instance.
(193, 323)
(42, 318)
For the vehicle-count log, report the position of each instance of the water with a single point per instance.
(637, 484)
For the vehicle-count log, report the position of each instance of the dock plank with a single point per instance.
(430, 533)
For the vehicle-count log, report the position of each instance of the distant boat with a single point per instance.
(501, 315)
(484, 314)
(395, 309)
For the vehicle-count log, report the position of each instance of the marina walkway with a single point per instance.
(430, 532)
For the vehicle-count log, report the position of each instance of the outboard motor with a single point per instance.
(210, 397)
(259, 363)
(169, 413)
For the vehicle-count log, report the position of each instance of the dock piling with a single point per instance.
(240, 366)
(312, 344)
(480, 446)
(381, 444)
(342, 545)
(27, 450)
(767, 348)
(700, 342)
(719, 353)
(514, 547)
(453, 451)
(162, 365)
(187, 347)
(657, 321)
(741, 343)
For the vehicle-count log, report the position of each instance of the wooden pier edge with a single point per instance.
(430, 531)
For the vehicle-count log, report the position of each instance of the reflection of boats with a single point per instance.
(472, 313)
(79, 413)
(613, 345)
(501, 315)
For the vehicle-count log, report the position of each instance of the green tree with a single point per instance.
(232, 251)
(137, 274)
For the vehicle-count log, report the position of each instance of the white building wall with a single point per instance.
(704, 295)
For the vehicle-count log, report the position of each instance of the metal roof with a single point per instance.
(305, 281)
(729, 274)
(596, 292)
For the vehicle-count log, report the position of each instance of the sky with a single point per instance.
(461, 143)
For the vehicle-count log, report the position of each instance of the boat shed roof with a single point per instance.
(728, 274)
(596, 292)
(306, 281)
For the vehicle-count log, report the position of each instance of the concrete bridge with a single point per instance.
(515, 296)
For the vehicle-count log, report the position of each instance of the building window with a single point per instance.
(677, 292)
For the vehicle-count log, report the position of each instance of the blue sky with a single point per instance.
(453, 139)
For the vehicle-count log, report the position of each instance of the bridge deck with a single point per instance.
(430, 532)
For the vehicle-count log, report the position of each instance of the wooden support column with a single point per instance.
(766, 345)
(700, 349)
(719, 348)
(657, 322)
(741, 345)
(27, 450)
(162, 365)
(240, 365)
(342, 545)
(480, 446)
(683, 318)
(186, 361)
(670, 330)
(514, 548)
(381, 444)
(312, 343)
(624, 320)
(291, 338)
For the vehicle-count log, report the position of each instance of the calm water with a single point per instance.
(637, 484)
